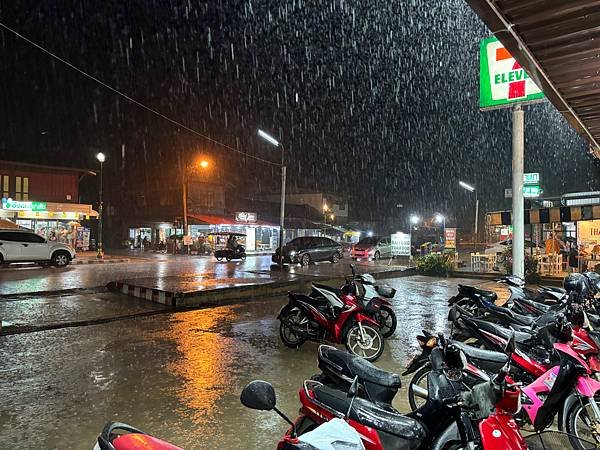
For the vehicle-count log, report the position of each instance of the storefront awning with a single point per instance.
(557, 42)
(208, 219)
(547, 215)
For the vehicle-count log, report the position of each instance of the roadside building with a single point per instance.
(46, 199)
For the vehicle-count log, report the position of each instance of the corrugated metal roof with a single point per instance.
(558, 43)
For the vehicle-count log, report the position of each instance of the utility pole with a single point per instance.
(518, 208)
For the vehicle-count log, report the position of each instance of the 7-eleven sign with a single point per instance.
(502, 79)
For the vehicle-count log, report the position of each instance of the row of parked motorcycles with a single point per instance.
(524, 375)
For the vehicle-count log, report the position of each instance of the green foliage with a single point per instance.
(531, 265)
(435, 263)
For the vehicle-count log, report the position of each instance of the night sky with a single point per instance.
(376, 100)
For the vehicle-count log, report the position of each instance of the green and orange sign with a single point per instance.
(502, 80)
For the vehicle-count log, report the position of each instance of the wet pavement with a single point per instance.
(38, 279)
(179, 375)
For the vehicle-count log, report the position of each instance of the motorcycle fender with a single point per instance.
(384, 301)
(361, 318)
(286, 308)
(456, 298)
(587, 386)
(500, 432)
(417, 362)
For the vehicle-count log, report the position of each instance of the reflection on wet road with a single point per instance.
(179, 375)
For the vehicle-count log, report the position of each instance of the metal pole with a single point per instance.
(518, 213)
(184, 193)
(476, 217)
(100, 208)
(282, 211)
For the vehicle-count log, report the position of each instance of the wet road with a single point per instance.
(178, 375)
(36, 279)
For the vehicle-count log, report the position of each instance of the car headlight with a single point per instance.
(293, 253)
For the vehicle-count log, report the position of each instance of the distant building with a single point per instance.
(46, 199)
(326, 204)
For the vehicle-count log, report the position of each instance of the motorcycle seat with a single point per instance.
(371, 415)
(520, 336)
(315, 301)
(336, 291)
(488, 295)
(357, 366)
(481, 354)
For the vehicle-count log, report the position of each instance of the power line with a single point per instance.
(132, 100)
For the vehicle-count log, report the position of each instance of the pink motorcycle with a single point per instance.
(569, 390)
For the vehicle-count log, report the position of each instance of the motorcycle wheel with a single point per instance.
(386, 319)
(288, 337)
(579, 423)
(228, 257)
(370, 346)
(418, 382)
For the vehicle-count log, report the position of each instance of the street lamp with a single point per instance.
(203, 164)
(101, 158)
(414, 219)
(470, 188)
(271, 140)
(441, 219)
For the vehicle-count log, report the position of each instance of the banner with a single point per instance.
(400, 244)
(450, 238)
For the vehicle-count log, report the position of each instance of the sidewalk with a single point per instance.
(92, 258)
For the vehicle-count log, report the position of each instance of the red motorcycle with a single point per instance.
(120, 436)
(338, 319)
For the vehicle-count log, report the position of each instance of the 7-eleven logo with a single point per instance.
(508, 80)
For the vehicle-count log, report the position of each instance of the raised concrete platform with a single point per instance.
(203, 290)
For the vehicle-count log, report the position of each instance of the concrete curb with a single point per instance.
(99, 261)
(19, 295)
(491, 277)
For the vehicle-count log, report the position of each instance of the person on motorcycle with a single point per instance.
(232, 243)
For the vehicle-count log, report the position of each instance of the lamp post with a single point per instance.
(470, 188)
(271, 140)
(203, 164)
(441, 219)
(101, 158)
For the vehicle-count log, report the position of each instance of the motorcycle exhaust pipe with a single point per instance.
(420, 392)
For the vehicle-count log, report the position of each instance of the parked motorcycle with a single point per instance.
(338, 319)
(120, 436)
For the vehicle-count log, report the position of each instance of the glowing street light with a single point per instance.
(470, 188)
(101, 157)
(204, 164)
(439, 218)
(414, 219)
(271, 140)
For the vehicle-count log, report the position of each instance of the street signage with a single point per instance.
(246, 217)
(531, 191)
(450, 238)
(531, 178)
(502, 80)
(400, 244)
(14, 205)
(187, 240)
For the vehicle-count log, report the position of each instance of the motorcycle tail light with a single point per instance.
(431, 342)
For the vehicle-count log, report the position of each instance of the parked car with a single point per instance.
(306, 250)
(27, 246)
(373, 247)
(500, 247)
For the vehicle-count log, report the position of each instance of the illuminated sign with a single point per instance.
(15, 205)
(246, 217)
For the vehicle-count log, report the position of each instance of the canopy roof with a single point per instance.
(558, 44)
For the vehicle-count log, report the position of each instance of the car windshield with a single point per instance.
(369, 241)
(301, 242)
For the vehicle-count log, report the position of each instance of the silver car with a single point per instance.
(372, 248)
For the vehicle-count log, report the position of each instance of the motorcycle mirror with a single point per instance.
(510, 345)
(353, 390)
(259, 395)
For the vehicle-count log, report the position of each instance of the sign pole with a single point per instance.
(518, 212)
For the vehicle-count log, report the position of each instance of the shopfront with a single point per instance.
(260, 235)
(62, 222)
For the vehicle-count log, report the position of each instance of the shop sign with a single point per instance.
(531, 191)
(502, 80)
(531, 178)
(187, 240)
(246, 217)
(400, 244)
(15, 205)
(450, 238)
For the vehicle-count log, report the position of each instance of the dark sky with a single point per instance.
(374, 99)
